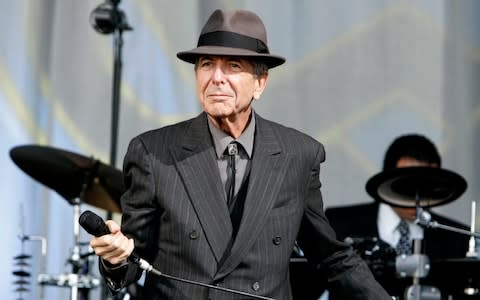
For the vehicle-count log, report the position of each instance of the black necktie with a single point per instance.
(232, 151)
(404, 245)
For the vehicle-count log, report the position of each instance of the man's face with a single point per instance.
(226, 85)
(405, 162)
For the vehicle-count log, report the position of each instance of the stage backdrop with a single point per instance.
(358, 74)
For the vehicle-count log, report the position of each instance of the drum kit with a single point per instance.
(422, 188)
(78, 179)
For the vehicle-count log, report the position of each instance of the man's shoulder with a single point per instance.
(286, 133)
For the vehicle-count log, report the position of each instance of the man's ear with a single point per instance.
(260, 84)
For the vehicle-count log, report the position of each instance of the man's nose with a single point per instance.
(218, 75)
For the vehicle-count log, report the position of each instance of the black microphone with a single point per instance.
(94, 224)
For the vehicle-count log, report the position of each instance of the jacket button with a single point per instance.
(256, 286)
(193, 235)
(277, 240)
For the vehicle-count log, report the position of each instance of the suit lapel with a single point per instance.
(268, 170)
(196, 163)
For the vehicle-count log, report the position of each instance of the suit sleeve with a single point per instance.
(138, 214)
(348, 275)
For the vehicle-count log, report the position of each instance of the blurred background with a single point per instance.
(358, 74)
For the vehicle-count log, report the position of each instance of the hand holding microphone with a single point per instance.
(115, 248)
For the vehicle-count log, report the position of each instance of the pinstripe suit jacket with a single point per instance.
(175, 209)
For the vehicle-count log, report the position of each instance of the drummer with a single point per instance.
(382, 221)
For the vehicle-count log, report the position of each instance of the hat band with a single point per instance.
(232, 40)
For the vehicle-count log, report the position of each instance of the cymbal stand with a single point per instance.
(78, 283)
(108, 18)
(472, 248)
(25, 237)
(43, 242)
(417, 265)
(425, 220)
(76, 258)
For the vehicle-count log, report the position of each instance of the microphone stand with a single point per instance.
(108, 18)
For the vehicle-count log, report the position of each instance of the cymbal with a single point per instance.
(405, 186)
(22, 264)
(22, 256)
(21, 273)
(70, 174)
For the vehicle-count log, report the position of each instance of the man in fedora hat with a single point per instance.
(219, 199)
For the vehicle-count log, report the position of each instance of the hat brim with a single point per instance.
(192, 55)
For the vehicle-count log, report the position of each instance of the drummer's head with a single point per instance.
(411, 150)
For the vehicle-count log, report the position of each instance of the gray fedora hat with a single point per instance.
(233, 33)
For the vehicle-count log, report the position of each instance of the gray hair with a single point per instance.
(259, 68)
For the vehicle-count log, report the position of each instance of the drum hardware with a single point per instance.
(108, 18)
(419, 188)
(21, 259)
(422, 292)
(472, 247)
(379, 256)
(417, 266)
(22, 275)
(78, 179)
(69, 280)
(424, 220)
(79, 283)
(471, 289)
(469, 267)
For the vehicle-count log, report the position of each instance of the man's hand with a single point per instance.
(115, 247)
